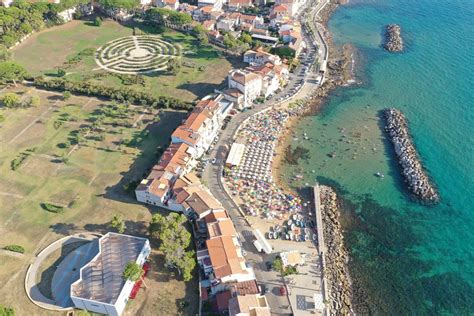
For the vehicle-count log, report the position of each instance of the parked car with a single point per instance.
(282, 291)
(213, 161)
(268, 264)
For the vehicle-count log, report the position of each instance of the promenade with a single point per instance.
(212, 174)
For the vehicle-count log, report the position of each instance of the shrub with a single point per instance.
(61, 72)
(15, 248)
(52, 208)
(10, 100)
(6, 311)
(121, 94)
(15, 163)
(98, 21)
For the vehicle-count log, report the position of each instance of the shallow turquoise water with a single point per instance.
(411, 259)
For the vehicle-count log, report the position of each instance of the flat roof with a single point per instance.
(102, 279)
(235, 154)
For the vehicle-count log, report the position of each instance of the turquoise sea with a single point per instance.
(410, 259)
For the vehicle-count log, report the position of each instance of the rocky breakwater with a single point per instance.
(393, 38)
(336, 272)
(412, 170)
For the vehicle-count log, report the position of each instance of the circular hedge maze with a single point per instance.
(136, 54)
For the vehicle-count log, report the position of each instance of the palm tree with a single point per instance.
(133, 272)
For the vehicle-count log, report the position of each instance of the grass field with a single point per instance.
(86, 179)
(45, 52)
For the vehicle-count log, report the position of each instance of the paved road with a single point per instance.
(212, 174)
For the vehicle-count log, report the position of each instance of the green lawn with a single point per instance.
(89, 185)
(43, 53)
(90, 178)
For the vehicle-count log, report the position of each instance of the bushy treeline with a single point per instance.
(123, 94)
(159, 15)
(24, 17)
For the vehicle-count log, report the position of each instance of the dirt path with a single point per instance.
(33, 122)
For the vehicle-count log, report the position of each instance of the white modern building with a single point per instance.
(101, 287)
(248, 83)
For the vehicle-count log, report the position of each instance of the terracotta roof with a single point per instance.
(223, 227)
(222, 299)
(187, 135)
(195, 120)
(246, 17)
(244, 288)
(215, 215)
(207, 9)
(224, 258)
(234, 15)
(161, 185)
(279, 8)
(175, 156)
(201, 201)
(233, 93)
(208, 24)
(244, 77)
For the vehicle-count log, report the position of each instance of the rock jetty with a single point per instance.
(393, 38)
(412, 170)
(336, 257)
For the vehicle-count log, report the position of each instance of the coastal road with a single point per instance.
(212, 173)
(212, 178)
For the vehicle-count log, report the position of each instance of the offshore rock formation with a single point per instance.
(412, 170)
(336, 270)
(394, 42)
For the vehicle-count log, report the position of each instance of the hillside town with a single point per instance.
(279, 58)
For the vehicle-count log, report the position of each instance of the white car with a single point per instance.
(214, 160)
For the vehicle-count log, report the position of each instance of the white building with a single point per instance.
(250, 304)
(248, 83)
(101, 287)
(216, 4)
(260, 57)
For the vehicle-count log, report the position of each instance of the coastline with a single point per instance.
(340, 72)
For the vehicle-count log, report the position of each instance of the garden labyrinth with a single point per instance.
(136, 54)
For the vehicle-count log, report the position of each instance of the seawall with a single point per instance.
(412, 169)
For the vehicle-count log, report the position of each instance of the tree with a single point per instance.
(118, 223)
(11, 72)
(229, 41)
(133, 272)
(10, 100)
(35, 101)
(97, 21)
(122, 4)
(66, 95)
(174, 239)
(201, 34)
(278, 265)
(246, 38)
(174, 65)
(284, 52)
(61, 72)
(5, 53)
